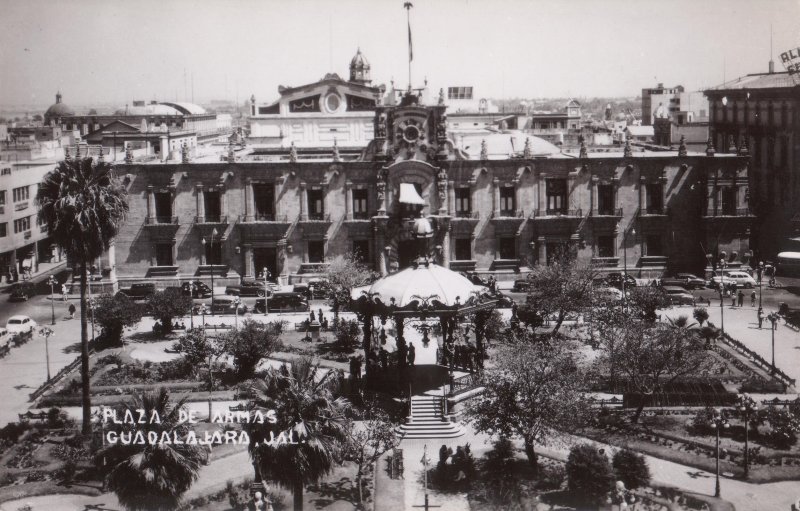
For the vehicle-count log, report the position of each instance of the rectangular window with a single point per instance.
(605, 199)
(556, 195)
(164, 254)
(22, 193)
(463, 202)
(605, 246)
(316, 251)
(653, 245)
(214, 252)
(360, 210)
(2, 197)
(316, 209)
(507, 248)
(361, 251)
(507, 201)
(163, 207)
(3, 230)
(213, 205)
(459, 92)
(463, 249)
(655, 198)
(729, 200)
(22, 224)
(264, 198)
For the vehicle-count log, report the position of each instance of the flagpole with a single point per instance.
(408, 6)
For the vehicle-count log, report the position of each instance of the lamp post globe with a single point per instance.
(52, 282)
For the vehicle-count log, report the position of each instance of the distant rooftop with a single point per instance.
(757, 81)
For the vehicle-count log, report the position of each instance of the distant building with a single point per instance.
(24, 243)
(173, 116)
(758, 115)
(673, 103)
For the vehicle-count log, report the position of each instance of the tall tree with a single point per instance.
(308, 411)
(249, 344)
(562, 287)
(345, 273)
(82, 206)
(114, 313)
(653, 355)
(534, 392)
(367, 439)
(149, 475)
(169, 304)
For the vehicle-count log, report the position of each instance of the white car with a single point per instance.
(20, 324)
(740, 278)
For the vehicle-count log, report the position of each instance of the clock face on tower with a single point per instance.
(411, 133)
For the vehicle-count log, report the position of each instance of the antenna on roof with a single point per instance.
(771, 62)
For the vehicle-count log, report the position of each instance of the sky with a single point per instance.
(116, 51)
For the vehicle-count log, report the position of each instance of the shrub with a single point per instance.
(251, 343)
(702, 423)
(57, 418)
(589, 473)
(348, 336)
(114, 313)
(551, 477)
(13, 430)
(700, 314)
(782, 429)
(168, 304)
(500, 460)
(69, 470)
(631, 468)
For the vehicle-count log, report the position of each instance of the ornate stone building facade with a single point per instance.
(649, 211)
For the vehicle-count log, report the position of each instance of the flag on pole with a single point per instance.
(408, 6)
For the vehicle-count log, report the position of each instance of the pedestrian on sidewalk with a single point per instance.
(760, 317)
(71, 311)
(753, 299)
(741, 298)
(733, 298)
(64, 292)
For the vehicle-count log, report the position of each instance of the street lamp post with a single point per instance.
(211, 263)
(210, 375)
(191, 309)
(237, 302)
(719, 423)
(46, 333)
(721, 310)
(746, 405)
(92, 307)
(625, 265)
(773, 317)
(266, 292)
(52, 282)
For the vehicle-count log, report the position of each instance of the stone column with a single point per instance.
(495, 197)
(542, 245)
(201, 204)
(276, 193)
(303, 201)
(642, 198)
(451, 198)
(446, 247)
(222, 201)
(380, 250)
(348, 200)
(151, 204)
(249, 212)
(593, 197)
(35, 257)
(248, 259)
(542, 191)
(112, 262)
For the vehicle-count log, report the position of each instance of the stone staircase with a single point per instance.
(427, 420)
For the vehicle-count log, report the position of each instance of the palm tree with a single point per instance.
(82, 206)
(308, 412)
(152, 475)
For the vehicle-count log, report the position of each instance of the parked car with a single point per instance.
(20, 324)
(475, 278)
(678, 295)
(320, 288)
(198, 290)
(614, 279)
(521, 286)
(685, 280)
(141, 290)
(607, 294)
(283, 302)
(248, 288)
(740, 278)
(226, 305)
(22, 292)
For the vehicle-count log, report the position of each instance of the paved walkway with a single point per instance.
(741, 323)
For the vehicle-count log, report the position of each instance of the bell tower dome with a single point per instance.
(359, 69)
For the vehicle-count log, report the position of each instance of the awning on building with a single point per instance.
(409, 195)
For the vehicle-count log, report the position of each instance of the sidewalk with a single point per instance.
(741, 323)
(45, 270)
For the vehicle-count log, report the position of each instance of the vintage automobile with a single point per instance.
(248, 288)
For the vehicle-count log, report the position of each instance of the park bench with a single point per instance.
(28, 416)
(238, 408)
